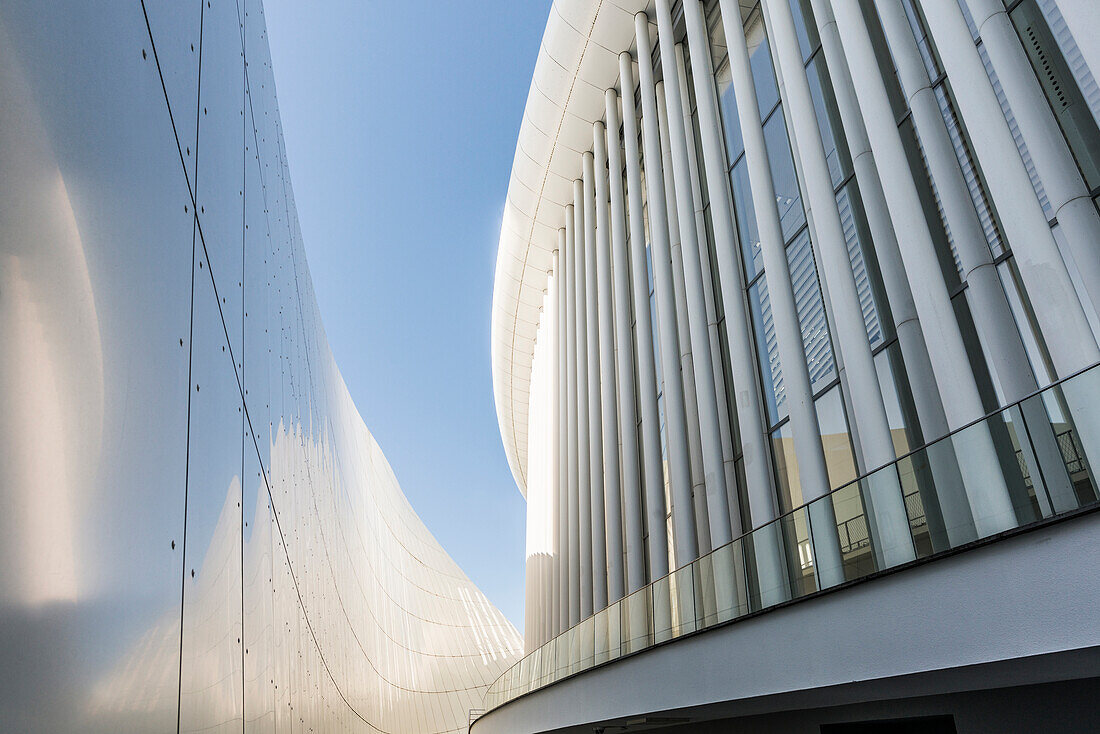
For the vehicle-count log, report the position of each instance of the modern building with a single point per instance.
(197, 530)
(795, 358)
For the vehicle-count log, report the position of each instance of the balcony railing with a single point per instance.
(1022, 465)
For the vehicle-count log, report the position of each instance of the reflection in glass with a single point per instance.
(835, 440)
(767, 351)
(811, 312)
(786, 468)
(784, 180)
(913, 508)
(747, 231)
(731, 120)
(760, 62)
(828, 120)
(856, 236)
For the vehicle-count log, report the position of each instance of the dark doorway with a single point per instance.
(919, 725)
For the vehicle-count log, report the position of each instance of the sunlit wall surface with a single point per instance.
(197, 530)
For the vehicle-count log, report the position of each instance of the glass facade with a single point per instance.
(929, 258)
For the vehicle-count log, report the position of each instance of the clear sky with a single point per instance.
(400, 120)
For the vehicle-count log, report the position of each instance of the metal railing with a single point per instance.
(1020, 465)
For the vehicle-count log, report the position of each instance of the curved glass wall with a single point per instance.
(777, 562)
(197, 530)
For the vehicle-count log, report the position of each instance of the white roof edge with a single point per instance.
(577, 61)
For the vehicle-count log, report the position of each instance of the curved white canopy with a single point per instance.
(578, 61)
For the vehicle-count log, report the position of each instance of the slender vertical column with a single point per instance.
(653, 473)
(981, 472)
(572, 426)
(539, 479)
(887, 515)
(679, 468)
(561, 611)
(624, 357)
(807, 440)
(550, 615)
(925, 393)
(750, 416)
(530, 580)
(613, 524)
(1073, 207)
(1065, 188)
(595, 407)
(1083, 18)
(718, 510)
(683, 335)
(1061, 317)
(694, 175)
(584, 446)
(990, 308)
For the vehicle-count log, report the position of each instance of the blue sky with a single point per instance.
(400, 121)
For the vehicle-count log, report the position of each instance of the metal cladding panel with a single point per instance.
(197, 531)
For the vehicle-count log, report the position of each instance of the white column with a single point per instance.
(683, 335)
(889, 522)
(584, 445)
(807, 439)
(1083, 18)
(1055, 303)
(718, 510)
(990, 308)
(750, 417)
(540, 462)
(717, 367)
(613, 528)
(679, 469)
(595, 408)
(652, 470)
(530, 582)
(550, 583)
(1065, 188)
(561, 577)
(1059, 312)
(796, 377)
(1073, 207)
(981, 471)
(572, 426)
(922, 381)
(634, 560)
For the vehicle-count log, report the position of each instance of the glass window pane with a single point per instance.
(767, 351)
(746, 220)
(804, 27)
(811, 312)
(731, 122)
(786, 469)
(760, 61)
(970, 172)
(787, 195)
(864, 289)
(895, 414)
(828, 120)
(835, 440)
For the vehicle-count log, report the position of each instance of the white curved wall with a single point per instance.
(197, 530)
